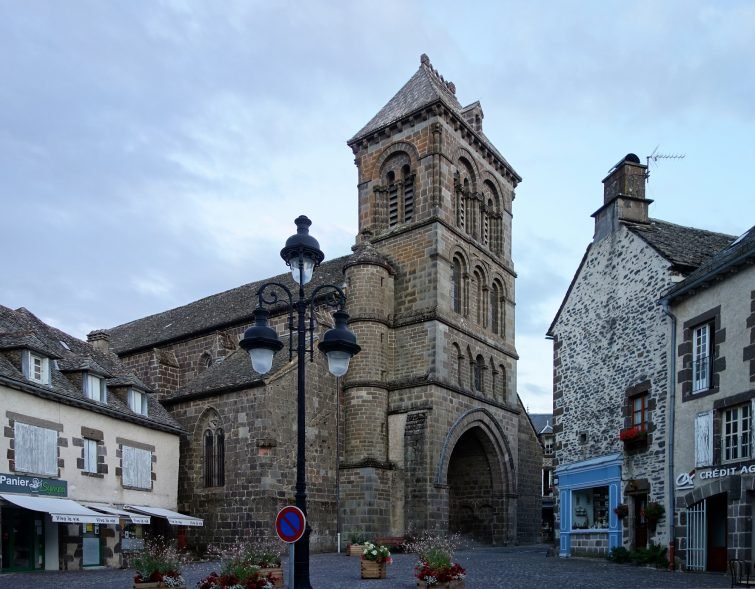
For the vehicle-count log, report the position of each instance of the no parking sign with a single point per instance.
(290, 524)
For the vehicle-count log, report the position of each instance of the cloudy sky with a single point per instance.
(155, 152)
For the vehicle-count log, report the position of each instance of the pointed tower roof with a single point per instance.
(423, 88)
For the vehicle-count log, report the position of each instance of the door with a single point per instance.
(640, 523)
(23, 540)
(697, 533)
(92, 554)
(717, 530)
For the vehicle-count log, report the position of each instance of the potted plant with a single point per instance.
(356, 547)
(653, 512)
(374, 561)
(240, 569)
(621, 510)
(157, 565)
(436, 568)
(633, 437)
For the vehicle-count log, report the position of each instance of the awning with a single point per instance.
(111, 509)
(61, 510)
(173, 517)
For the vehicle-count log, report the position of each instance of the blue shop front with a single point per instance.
(588, 492)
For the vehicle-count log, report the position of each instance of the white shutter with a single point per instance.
(704, 439)
(90, 455)
(36, 449)
(752, 429)
(137, 467)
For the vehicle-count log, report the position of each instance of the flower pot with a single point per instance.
(372, 569)
(449, 585)
(275, 572)
(355, 549)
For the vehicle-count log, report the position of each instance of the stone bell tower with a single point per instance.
(430, 409)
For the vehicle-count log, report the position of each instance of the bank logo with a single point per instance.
(686, 480)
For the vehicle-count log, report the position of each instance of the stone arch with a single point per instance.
(477, 467)
(461, 153)
(400, 146)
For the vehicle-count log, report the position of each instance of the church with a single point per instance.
(425, 431)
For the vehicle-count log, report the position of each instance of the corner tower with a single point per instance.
(439, 448)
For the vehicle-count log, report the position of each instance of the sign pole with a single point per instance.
(291, 559)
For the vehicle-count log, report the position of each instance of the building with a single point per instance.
(713, 362)
(543, 424)
(611, 349)
(426, 430)
(90, 458)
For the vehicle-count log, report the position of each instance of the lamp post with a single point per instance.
(302, 254)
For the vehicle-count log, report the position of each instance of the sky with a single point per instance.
(156, 152)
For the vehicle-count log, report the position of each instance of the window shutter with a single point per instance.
(752, 429)
(36, 449)
(704, 439)
(137, 467)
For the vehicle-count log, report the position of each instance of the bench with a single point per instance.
(740, 573)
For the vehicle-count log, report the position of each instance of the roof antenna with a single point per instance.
(655, 156)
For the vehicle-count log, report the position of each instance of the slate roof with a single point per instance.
(737, 255)
(206, 315)
(543, 422)
(424, 88)
(21, 327)
(685, 247)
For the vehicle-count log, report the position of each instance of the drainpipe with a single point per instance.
(670, 505)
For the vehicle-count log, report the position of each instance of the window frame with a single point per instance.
(736, 445)
(138, 401)
(91, 452)
(44, 367)
(100, 393)
(213, 449)
(643, 422)
(702, 342)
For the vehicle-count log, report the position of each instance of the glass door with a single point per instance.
(23, 540)
(92, 554)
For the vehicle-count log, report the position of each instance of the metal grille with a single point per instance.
(697, 533)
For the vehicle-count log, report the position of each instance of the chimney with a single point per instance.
(623, 197)
(100, 340)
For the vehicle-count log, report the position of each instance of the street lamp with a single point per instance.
(302, 254)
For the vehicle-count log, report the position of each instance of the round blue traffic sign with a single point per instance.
(290, 524)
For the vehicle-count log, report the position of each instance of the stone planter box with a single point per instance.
(449, 585)
(158, 585)
(355, 549)
(372, 569)
(275, 572)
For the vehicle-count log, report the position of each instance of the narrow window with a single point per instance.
(701, 358)
(90, 455)
(214, 457)
(408, 194)
(392, 200)
(479, 381)
(495, 297)
(640, 411)
(138, 402)
(209, 458)
(37, 368)
(95, 388)
(456, 276)
(736, 433)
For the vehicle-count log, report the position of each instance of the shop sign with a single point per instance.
(13, 483)
(686, 480)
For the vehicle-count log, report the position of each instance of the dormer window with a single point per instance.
(95, 388)
(137, 402)
(36, 367)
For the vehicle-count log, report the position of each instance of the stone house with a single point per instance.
(89, 457)
(543, 424)
(611, 350)
(712, 316)
(425, 430)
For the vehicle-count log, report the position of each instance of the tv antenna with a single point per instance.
(655, 156)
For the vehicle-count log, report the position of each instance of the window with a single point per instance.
(701, 358)
(36, 449)
(214, 457)
(640, 411)
(37, 368)
(90, 455)
(137, 467)
(548, 445)
(736, 433)
(400, 192)
(547, 482)
(138, 402)
(95, 388)
(590, 508)
(457, 275)
(479, 380)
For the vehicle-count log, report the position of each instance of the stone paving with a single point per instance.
(487, 568)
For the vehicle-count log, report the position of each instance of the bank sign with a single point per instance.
(13, 483)
(686, 480)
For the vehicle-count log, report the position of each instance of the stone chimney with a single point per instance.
(100, 340)
(623, 197)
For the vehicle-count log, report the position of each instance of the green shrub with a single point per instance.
(619, 555)
(654, 555)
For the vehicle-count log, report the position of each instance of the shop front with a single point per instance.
(588, 493)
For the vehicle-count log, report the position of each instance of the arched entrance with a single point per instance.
(477, 469)
(471, 497)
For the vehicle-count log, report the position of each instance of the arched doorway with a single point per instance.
(474, 505)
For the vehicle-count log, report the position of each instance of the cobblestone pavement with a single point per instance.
(487, 568)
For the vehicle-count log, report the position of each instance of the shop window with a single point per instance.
(735, 430)
(590, 508)
(132, 538)
(701, 357)
(137, 467)
(36, 449)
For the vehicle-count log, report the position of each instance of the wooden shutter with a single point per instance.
(704, 439)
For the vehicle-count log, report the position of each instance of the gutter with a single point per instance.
(671, 499)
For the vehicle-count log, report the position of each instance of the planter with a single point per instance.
(372, 569)
(158, 585)
(355, 549)
(275, 572)
(449, 585)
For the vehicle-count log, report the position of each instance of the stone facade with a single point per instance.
(425, 431)
(611, 350)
